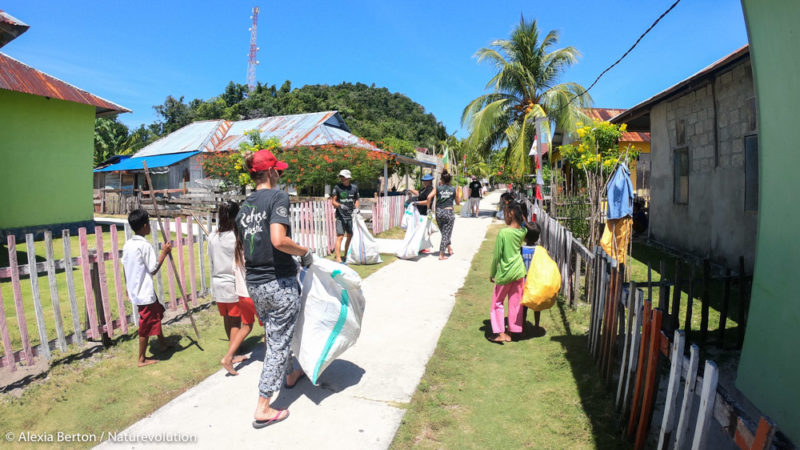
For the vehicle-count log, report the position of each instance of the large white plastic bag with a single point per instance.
(332, 306)
(363, 247)
(410, 216)
(415, 240)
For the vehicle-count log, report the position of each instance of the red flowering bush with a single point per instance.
(225, 166)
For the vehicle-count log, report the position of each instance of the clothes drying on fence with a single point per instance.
(363, 247)
(620, 193)
(330, 318)
(616, 237)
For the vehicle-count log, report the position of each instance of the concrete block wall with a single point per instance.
(714, 222)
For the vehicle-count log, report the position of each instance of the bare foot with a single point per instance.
(442, 257)
(501, 337)
(240, 358)
(292, 378)
(228, 365)
(450, 251)
(147, 362)
(506, 337)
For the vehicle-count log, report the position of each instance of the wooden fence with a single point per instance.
(630, 339)
(387, 212)
(102, 310)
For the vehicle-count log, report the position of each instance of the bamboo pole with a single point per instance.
(171, 260)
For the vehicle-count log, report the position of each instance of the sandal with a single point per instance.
(257, 424)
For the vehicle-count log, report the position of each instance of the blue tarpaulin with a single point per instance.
(152, 162)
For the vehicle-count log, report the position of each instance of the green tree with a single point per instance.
(175, 114)
(525, 87)
(110, 138)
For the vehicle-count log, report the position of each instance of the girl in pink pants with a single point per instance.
(508, 274)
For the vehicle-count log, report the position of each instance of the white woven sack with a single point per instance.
(363, 247)
(332, 306)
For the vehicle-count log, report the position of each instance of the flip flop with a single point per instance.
(286, 385)
(257, 424)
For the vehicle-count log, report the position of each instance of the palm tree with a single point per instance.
(524, 88)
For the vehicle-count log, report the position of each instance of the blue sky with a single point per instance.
(137, 53)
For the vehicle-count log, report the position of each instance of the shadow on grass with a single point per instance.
(596, 400)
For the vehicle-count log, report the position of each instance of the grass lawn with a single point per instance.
(366, 270)
(102, 391)
(392, 233)
(540, 392)
(77, 276)
(642, 254)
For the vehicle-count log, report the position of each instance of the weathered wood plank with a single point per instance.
(675, 311)
(181, 264)
(630, 304)
(53, 282)
(663, 291)
(634, 353)
(705, 300)
(37, 299)
(681, 433)
(118, 280)
(640, 375)
(673, 385)
(73, 299)
(8, 350)
(707, 396)
(650, 381)
(159, 276)
(103, 279)
(172, 301)
(723, 313)
(687, 324)
(192, 280)
(201, 239)
(86, 270)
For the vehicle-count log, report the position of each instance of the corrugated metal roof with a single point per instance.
(312, 130)
(10, 27)
(20, 77)
(152, 162)
(606, 114)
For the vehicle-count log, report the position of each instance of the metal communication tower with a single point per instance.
(253, 62)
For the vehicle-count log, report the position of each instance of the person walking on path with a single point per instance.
(221, 252)
(425, 196)
(475, 188)
(508, 274)
(345, 200)
(445, 196)
(271, 274)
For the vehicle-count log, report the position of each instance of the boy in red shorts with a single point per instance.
(140, 264)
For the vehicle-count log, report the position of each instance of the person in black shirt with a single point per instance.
(425, 196)
(474, 196)
(265, 239)
(446, 197)
(345, 200)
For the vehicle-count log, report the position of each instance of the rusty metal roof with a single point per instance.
(606, 114)
(296, 130)
(19, 77)
(10, 27)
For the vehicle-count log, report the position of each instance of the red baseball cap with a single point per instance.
(265, 160)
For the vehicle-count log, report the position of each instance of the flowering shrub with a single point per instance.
(310, 168)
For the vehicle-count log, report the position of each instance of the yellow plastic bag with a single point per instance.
(543, 282)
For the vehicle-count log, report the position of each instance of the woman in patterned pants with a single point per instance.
(264, 239)
(445, 196)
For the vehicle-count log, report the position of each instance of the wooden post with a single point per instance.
(37, 301)
(707, 397)
(99, 307)
(649, 282)
(634, 352)
(650, 382)
(706, 299)
(630, 303)
(51, 278)
(723, 313)
(123, 316)
(743, 303)
(681, 432)
(103, 282)
(637, 390)
(172, 275)
(675, 312)
(73, 299)
(668, 421)
(663, 289)
(8, 350)
(171, 260)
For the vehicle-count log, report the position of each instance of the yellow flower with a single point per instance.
(623, 128)
(581, 132)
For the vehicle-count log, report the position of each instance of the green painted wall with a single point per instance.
(769, 370)
(46, 148)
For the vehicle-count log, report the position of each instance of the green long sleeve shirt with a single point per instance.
(507, 264)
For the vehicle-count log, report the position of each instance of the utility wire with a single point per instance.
(625, 54)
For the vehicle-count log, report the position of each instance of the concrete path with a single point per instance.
(361, 397)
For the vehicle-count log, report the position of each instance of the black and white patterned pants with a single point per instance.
(445, 219)
(277, 305)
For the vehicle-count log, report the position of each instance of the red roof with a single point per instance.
(605, 114)
(19, 77)
(10, 27)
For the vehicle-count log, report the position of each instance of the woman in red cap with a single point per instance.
(265, 236)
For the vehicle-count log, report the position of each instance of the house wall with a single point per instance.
(46, 154)
(769, 367)
(714, 222)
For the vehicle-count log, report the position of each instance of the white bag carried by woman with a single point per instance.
(363, 247)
